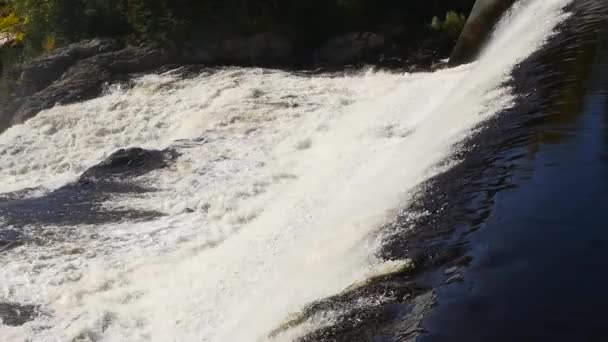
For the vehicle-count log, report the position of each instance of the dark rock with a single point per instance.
(85, 79)
(132, 60)
(72, 205)
(16, 315)
(198, 54)
(82, 82)
(82, 202)
(348, 48)
(79, 71)
(269, 48)
(451, 270)
(456, 278)
(9, 239)
(233, 50)
(42, 72)
(261, 49)
(360, 322)
(130, 163)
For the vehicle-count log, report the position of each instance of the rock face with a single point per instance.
(269, 48)
(261, 49)
(79, 71)
(130, 162)
(79, 74)
(42, 72)
(348, 48)
(9, 239)
(82, 202)
(80, 83)
(15, 315)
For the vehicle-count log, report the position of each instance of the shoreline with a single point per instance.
(80, 71)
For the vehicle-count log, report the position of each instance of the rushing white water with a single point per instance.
(275, 208)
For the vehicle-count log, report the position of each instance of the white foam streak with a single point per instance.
(275, 208)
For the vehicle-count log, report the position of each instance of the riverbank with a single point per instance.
(343, 36)
(80, 71)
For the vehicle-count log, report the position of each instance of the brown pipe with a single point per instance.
(482, 21)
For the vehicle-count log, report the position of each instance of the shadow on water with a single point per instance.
(512, 244)
(81, 202)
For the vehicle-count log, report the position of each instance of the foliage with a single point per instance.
(49, 43)
(11, 26)
(38, 26)
(452, 25)
(155, 21)
(150, 21)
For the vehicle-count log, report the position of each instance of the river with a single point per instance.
(460, 205)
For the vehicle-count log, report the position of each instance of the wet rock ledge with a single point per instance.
(82, 201)
(79, 71)
(15, 315)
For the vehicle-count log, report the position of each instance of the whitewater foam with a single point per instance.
(282, 183)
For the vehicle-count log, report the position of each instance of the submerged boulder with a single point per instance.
(130, 162)
(15, 315)
(82, 202)
(9, 239)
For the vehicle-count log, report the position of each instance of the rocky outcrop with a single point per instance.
(81, 84)
(79, 71)
(260, 49)
(130, 162)
(269, 48)
(9, 239)
(78, 79)
(15, 315)
(82, 202)
(40, 73)
(349, 48)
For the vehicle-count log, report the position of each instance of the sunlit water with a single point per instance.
(282, 183)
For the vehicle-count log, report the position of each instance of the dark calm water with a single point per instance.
(539, 251)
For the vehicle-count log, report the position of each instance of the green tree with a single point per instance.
(453, 24)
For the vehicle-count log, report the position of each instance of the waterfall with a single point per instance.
(276, 199)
